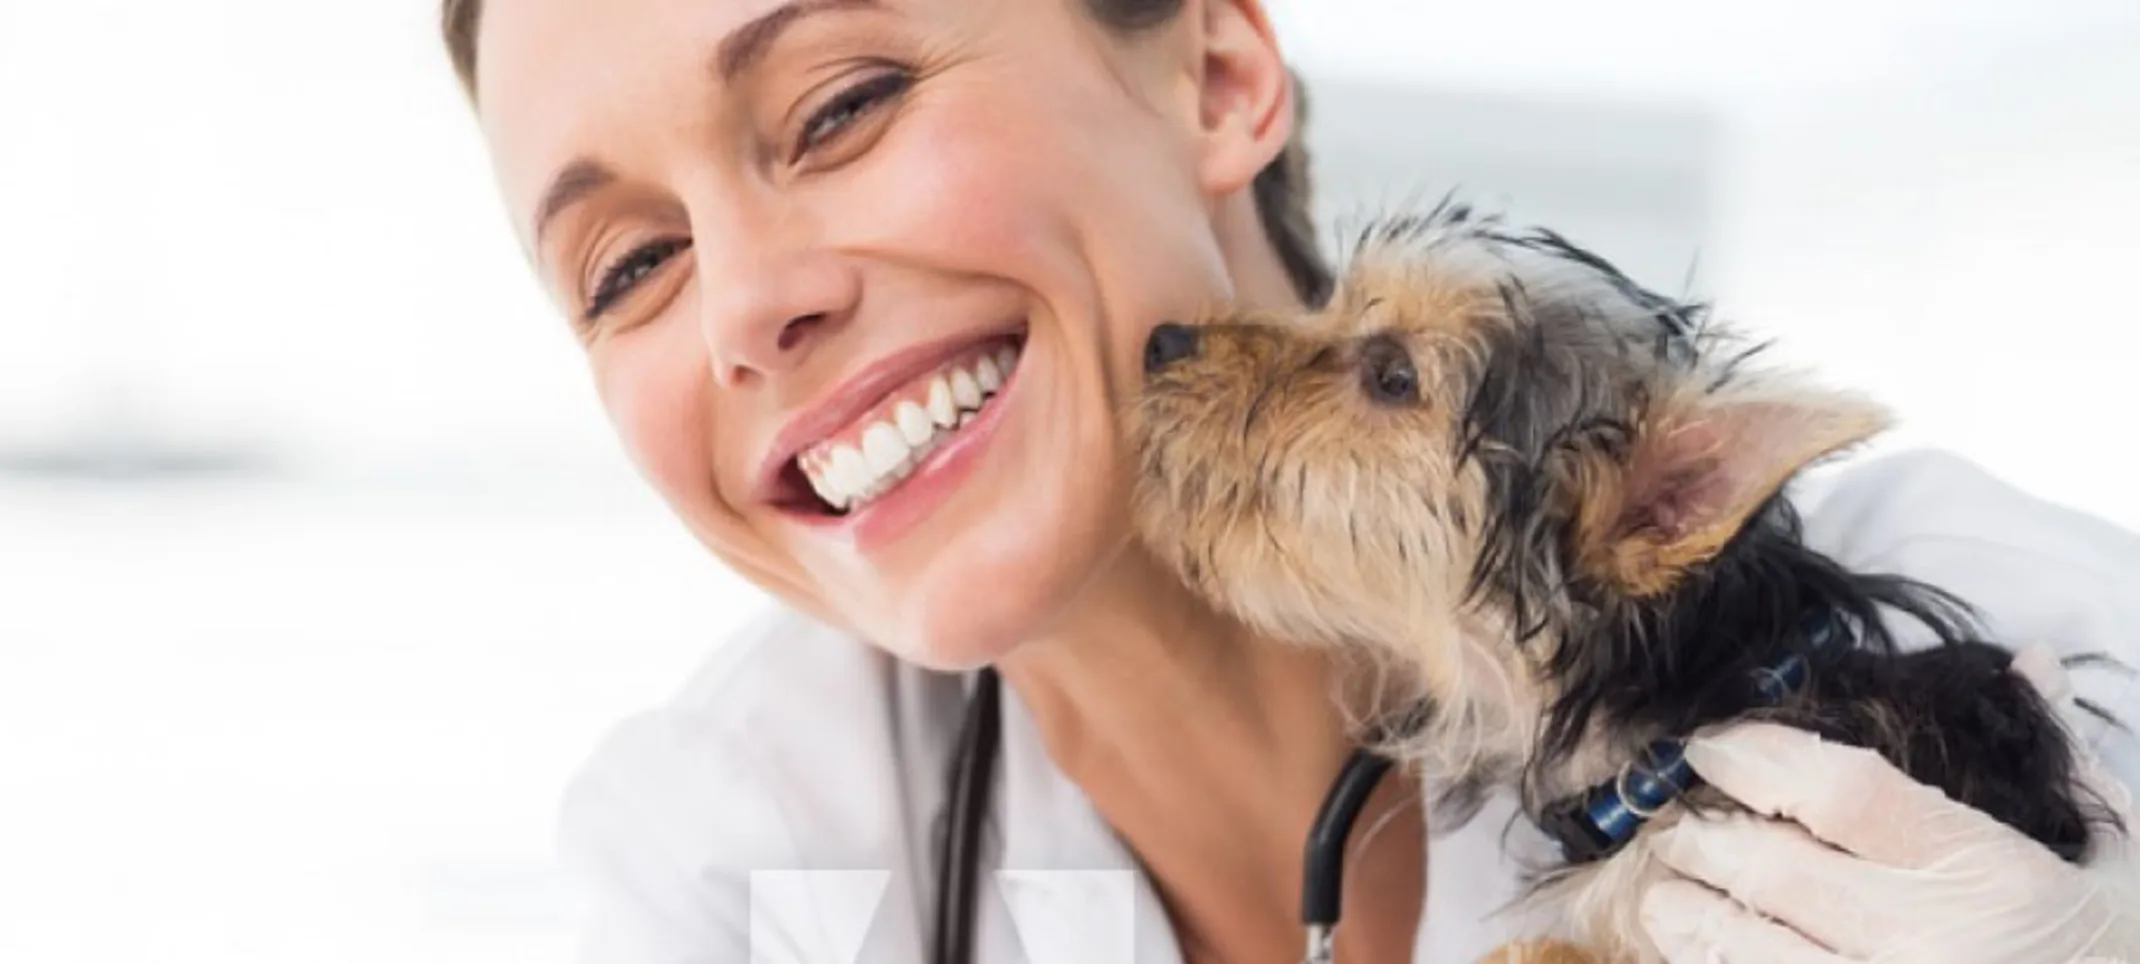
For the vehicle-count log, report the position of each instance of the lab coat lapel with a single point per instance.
(1067, 890)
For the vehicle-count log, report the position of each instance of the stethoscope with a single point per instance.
(973, 776)
(1586, 826)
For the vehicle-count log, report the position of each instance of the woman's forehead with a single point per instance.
(549, 73)
(560, 80)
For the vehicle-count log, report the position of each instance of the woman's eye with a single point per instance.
(621, 277)
(848, 106)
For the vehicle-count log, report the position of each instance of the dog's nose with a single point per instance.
(1169, 343)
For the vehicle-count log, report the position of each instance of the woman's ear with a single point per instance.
(1244, 93)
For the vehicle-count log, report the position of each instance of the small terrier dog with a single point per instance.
(1552, 501)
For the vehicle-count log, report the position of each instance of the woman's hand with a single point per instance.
(1864, 864)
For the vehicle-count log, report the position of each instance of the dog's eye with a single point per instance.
(1386, 372)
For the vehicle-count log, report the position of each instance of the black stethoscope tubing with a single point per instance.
(958, 862)
(971, 784)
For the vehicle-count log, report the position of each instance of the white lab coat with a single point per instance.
(802, 750)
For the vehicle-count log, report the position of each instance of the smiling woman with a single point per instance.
(864, 286)
(737, 367)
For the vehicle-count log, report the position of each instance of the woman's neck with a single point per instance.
(1209, 750)
(1143, 669)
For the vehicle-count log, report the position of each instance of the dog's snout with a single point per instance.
(1170, 343)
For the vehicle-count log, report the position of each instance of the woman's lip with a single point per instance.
(856, 396)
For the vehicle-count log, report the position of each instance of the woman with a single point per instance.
(787, 228)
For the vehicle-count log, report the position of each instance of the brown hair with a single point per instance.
(1282, 190)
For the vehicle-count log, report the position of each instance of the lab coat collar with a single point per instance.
(1068, 882)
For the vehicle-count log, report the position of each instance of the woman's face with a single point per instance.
(864, 282)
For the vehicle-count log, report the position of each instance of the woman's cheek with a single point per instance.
(655, 392)
(1101, 226)
(959, 189)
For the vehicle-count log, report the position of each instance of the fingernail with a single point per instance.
(1740, 749)
(1713, 757)
(1667, 847)
(1673, 843)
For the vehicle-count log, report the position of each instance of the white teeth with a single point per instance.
(813, 467)
(885, 449)
(914, 424)
(941, 406)
(847, 474)
(964, 390)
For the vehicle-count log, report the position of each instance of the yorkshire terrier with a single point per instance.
(1553, 501)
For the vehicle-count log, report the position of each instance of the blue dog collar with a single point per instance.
(1595, 823)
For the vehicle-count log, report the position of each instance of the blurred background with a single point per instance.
(319, 570)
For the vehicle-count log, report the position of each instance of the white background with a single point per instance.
(319, 570)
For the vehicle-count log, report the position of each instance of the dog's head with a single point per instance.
(1483, 436)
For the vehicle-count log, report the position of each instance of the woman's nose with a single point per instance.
(763, 315)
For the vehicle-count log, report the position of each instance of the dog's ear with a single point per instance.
(1698, 467)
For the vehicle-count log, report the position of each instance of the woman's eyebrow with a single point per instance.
(736, 53)
(747, 44)
(578, 179)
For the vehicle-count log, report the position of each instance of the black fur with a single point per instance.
(1953, 715)
(1557, 384)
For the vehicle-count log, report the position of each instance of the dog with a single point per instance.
(1549, 503)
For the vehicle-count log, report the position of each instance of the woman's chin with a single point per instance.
(965, 627)
(971, 610)
(1004, 559)
(953, 653)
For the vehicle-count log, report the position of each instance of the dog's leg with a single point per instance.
(1540, 952)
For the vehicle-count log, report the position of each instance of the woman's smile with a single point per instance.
(889, 445)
